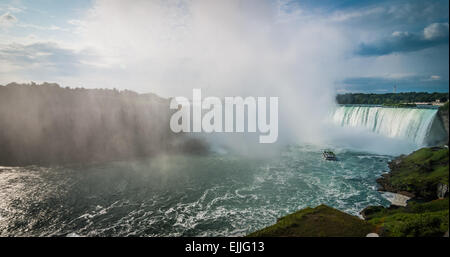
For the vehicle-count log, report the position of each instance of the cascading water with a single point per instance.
(413, 124)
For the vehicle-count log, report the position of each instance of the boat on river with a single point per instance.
(329, 155)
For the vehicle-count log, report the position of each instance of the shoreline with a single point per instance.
(417, 209)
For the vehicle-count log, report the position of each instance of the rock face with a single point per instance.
(396, 199)
(442, 191)
(386, 186)
(443, 116)
(369, 210)
(422, 174)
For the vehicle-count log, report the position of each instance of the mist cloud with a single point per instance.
(294, 51)
(227, 48)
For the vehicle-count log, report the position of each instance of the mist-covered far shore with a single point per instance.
(48, 124)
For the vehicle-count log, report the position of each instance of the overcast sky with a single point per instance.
(169, 47)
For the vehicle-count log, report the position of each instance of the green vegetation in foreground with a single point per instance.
(322, 221)
(420, 172)
(416, 219)
(390, 98)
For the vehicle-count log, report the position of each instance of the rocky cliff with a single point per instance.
(424, 176)
(48, 124)
(443, 117)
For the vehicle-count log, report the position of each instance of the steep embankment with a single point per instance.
(423, 175)
(416, 219)
(317, 222)
(443, 116)
(47, 124)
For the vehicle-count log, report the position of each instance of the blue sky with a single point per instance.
(353, 46)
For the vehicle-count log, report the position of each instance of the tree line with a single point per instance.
(390, 98)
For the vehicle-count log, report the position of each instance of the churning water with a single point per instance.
(211, 195)
(214, 195)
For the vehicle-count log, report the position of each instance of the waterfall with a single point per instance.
(413, 124)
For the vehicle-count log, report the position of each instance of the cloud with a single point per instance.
(243, 47)
(436, 31)
(343, 16)
(221, 45)
(76, 22)
(435, 77)
(432, 78)
(45, 60)
(7, 20)
(378, 15)
(15, 9)
(37, 27)
(433, 35)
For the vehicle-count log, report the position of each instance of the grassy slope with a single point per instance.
(317, 222)
(421, 171)
(418, 173)
(417, 219)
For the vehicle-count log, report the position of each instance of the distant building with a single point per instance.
(437, 102)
